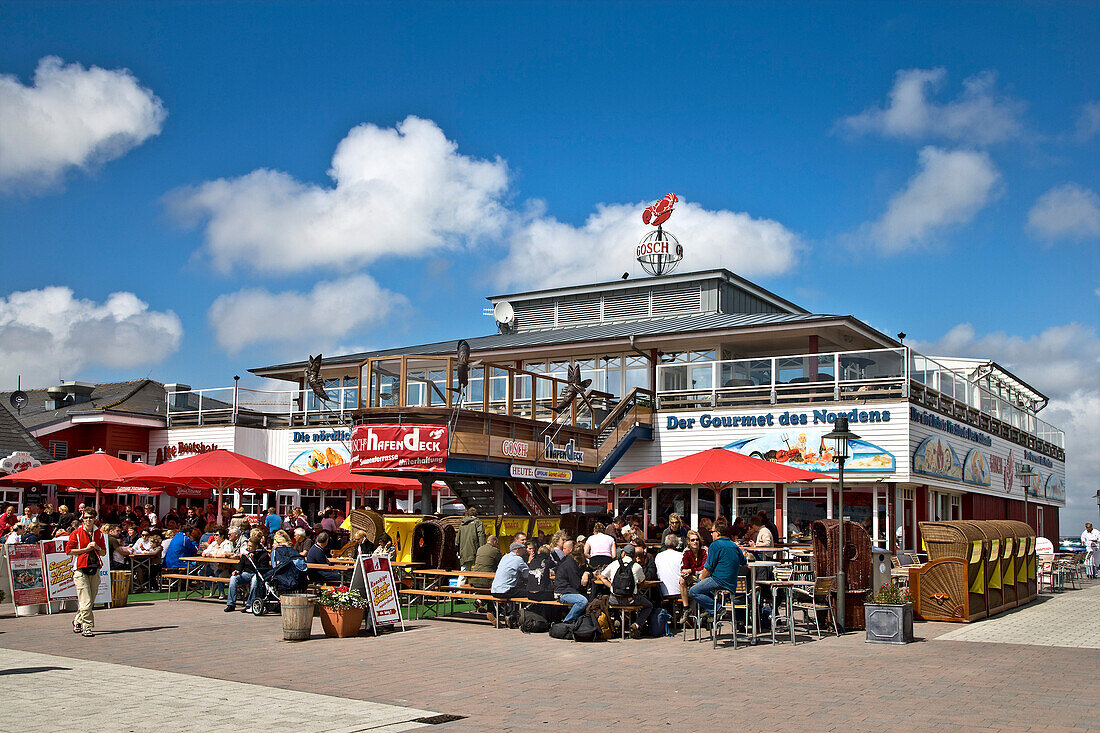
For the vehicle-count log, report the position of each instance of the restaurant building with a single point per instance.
(668, 366)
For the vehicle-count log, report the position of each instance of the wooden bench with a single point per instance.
(183, 579)
(440, 597)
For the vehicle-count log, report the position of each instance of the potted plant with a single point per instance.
(341, 611)
(888, 614)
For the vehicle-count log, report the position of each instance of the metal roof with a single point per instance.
(15, 437)
(600, 332)
(141, 397)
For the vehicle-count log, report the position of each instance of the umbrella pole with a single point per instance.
(218, 515)
(97, 500)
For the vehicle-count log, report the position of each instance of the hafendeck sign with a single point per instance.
(399, 448)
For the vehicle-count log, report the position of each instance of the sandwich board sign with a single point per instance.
(373, 578)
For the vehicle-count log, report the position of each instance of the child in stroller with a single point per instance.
(287, 575)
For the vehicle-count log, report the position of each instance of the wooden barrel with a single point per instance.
(120, 587)
(297, 611)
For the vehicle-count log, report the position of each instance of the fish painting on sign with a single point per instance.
(935, 457)
(976, 468)
(806, 449)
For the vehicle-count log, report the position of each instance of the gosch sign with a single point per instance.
(399, 448)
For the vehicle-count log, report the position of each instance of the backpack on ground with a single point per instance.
(659, 622)
(561, 630)
(623, 584)
(586, 629)
(533, 623)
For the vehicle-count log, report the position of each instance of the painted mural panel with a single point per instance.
(935, 457)
(806, 449)
(976, 468)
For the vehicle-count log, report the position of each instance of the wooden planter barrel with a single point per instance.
(297, 613)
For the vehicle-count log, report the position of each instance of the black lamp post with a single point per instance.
(840, 436)
(1025, 475)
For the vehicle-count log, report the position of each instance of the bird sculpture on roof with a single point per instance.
(313, 378)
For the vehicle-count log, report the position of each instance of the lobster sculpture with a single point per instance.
(658, 213)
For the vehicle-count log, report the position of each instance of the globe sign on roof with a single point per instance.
(659, 251)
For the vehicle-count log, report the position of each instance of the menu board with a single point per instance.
(28, 581)
(373, 578)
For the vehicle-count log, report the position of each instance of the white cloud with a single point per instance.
(1063, 362)
(1068, 211)
(978, 115)
(1088, 122)
(46, 330)
(951, 187)
(71, 117)
(544, 251)
(403, 191)
(317, 319)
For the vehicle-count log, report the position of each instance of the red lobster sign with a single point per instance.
(658, 213)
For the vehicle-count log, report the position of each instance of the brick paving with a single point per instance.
(508, 681)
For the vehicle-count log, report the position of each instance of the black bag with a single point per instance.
(561, 631)
(623, 584)
(539, 586)
(586, 629)
(533, 623)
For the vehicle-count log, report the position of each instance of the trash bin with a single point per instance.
(297, 612)
(120, 587)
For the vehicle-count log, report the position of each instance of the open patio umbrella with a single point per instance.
(92, 473)
(219, 470)
(340, 478)
(717, 469)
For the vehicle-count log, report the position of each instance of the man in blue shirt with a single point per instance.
(724, 561)
(182, 544)
(510, 581)
(273, 521)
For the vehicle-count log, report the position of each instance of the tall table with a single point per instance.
(755, 566)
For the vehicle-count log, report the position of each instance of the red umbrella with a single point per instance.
(87, 474)
(220, 470)
(341, 478)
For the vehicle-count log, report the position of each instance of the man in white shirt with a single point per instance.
(143, 545)
(1090, 538)
(668, 563)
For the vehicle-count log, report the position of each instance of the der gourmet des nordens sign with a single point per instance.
(399, 448)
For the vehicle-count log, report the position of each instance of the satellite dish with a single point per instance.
(18, 399)
(504, 313)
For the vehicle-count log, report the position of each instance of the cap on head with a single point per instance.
(516, 546)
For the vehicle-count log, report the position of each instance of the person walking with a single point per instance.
(1090, 538)
(87, 545)
(471, 536)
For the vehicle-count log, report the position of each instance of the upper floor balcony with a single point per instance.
(394, 384)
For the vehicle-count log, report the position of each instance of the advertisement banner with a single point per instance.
(60, 567)
(28, 582)
(399, 448)
(547, 525)
(373, 578)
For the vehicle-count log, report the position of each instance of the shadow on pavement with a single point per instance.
(32, 670)
(135, 630)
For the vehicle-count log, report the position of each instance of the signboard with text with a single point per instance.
(399, 448)
(28, 582)
(373, 578)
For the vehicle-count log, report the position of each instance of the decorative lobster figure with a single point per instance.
(314, 380)
(658, 213)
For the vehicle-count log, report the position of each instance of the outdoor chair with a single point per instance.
(784, 574)
(819, 599)
(1046, 574)
(730, 603)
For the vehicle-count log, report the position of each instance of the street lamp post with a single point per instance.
(1025, 475)
(840, 435)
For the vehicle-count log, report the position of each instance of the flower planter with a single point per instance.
(889, 623)
(341, 623)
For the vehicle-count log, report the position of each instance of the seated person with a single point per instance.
(144, 544)
(540, 586)
(183, 544)
(254, 558)
(361, 545)
(691, 564)
(764, 536)
(219, 545)
(287, 571)
(239, 540)
(668, 562)
(302, 542)
(486, 561)
(571, 583)
(385, 548)
(643, 558)
(31, 533)
(120, 553)
(318, 555)
(599, 548)
(723, 565)
(624, 577)
(510, 581)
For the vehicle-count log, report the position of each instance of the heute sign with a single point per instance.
(399, 448)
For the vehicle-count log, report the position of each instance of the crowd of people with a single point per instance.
(614, 561)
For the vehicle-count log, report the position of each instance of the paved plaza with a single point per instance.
(183, 666)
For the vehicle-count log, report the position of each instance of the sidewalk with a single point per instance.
(506, 680)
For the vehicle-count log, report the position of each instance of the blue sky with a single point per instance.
(930, 168)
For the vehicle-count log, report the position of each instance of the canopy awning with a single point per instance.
(341, 477)
(716, 468)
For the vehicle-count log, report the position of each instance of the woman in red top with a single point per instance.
(695, 556)
(87, 545)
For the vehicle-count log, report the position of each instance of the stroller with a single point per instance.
(287, 575)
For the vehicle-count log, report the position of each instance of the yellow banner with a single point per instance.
(1009, 576)
(978, 586)
(490, 524)
(994, 553)
(976, 553)
(400, 529)
(547, 525)
(1008, 548)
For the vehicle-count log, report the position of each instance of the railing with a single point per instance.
(773, 380)
(260, 408)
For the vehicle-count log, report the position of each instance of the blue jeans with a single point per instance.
(703, 593)
(253, 581)
(579, 603)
